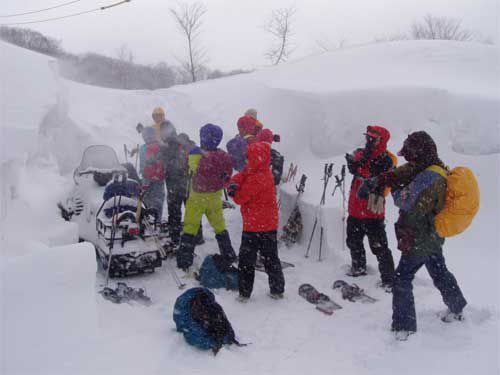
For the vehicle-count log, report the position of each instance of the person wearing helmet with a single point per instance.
(366, 215)
(159, 119)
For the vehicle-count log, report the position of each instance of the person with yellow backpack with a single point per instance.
(433, 204)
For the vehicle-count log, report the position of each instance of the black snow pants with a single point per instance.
(374, 229)
(267, 244)
(176, 194)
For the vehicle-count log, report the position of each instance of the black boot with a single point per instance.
(199, 237)
(185, 254)
(225, 247)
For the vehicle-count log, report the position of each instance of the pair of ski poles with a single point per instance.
(328, 173)
(162, 252)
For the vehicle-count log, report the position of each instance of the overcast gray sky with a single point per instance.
(233, 34)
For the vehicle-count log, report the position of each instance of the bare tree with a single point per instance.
(189, 20)
(280, 25)
(432, 27)
(124, 65)
(326, 44)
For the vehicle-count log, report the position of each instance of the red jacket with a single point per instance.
(378, 162)
(256, 193)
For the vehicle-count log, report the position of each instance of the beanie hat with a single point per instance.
(251, 113)
(159, 111)
(210, 137)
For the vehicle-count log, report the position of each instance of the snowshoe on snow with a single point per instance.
(123, 293)
(352, 292)
(356, 272)
(322, 301)
(449, 317)
(402, 335)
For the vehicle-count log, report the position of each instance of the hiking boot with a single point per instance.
(386, 286)
(356, 272)
(449, 317)
(242, 299)
(402, 335)
(276, 295)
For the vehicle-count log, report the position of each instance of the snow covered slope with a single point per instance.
(320, 106)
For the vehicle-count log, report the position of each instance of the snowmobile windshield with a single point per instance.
(99, 158)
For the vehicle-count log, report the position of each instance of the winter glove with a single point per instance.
(276, 138)
(352, 165)
(405, 236)
(231, 189)
(367, 187)
(139, 128)
(376, 203)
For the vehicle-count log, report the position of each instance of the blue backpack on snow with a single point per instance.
(215, 273)
(202, 320)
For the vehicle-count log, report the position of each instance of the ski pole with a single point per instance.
(125, 151)
(320, 243)
(342, 189)
(312, 235)
(172, 272)
(137, 157)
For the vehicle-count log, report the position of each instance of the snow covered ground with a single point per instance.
(54, 322)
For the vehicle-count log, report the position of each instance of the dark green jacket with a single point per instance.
(420, 196)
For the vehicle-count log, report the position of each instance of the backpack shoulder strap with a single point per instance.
(439, 170)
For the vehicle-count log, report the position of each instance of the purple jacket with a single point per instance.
(213, 169)
(237, 149)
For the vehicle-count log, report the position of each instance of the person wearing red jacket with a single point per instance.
(253, 189)
(366, 215)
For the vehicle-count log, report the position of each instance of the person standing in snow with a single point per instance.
(254, 190)
(366, 215)
(160, 120)
(419, 190)
(152, 170)
(174, 156)
(210, 169)
(248, 128)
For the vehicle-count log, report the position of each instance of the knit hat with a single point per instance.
(210, 137)
(420, 148)
(158, 111)
(252, 113)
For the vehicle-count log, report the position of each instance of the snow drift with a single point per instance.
(320, 106)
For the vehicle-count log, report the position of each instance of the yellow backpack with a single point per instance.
(462, 201)
(394, 159)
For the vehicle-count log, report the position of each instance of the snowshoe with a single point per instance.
(111, 295)
(387, 287)
(242, 299)
(352, 292)
(356, 272)
(322, 301)
(131, 294)
(449, 317)
(276, 296)
(402, 335)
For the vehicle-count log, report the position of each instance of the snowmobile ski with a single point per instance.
(352, 292)
(322, 301)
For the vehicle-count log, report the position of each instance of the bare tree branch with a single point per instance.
(280, 25)
(189, 20)
(432, 27)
